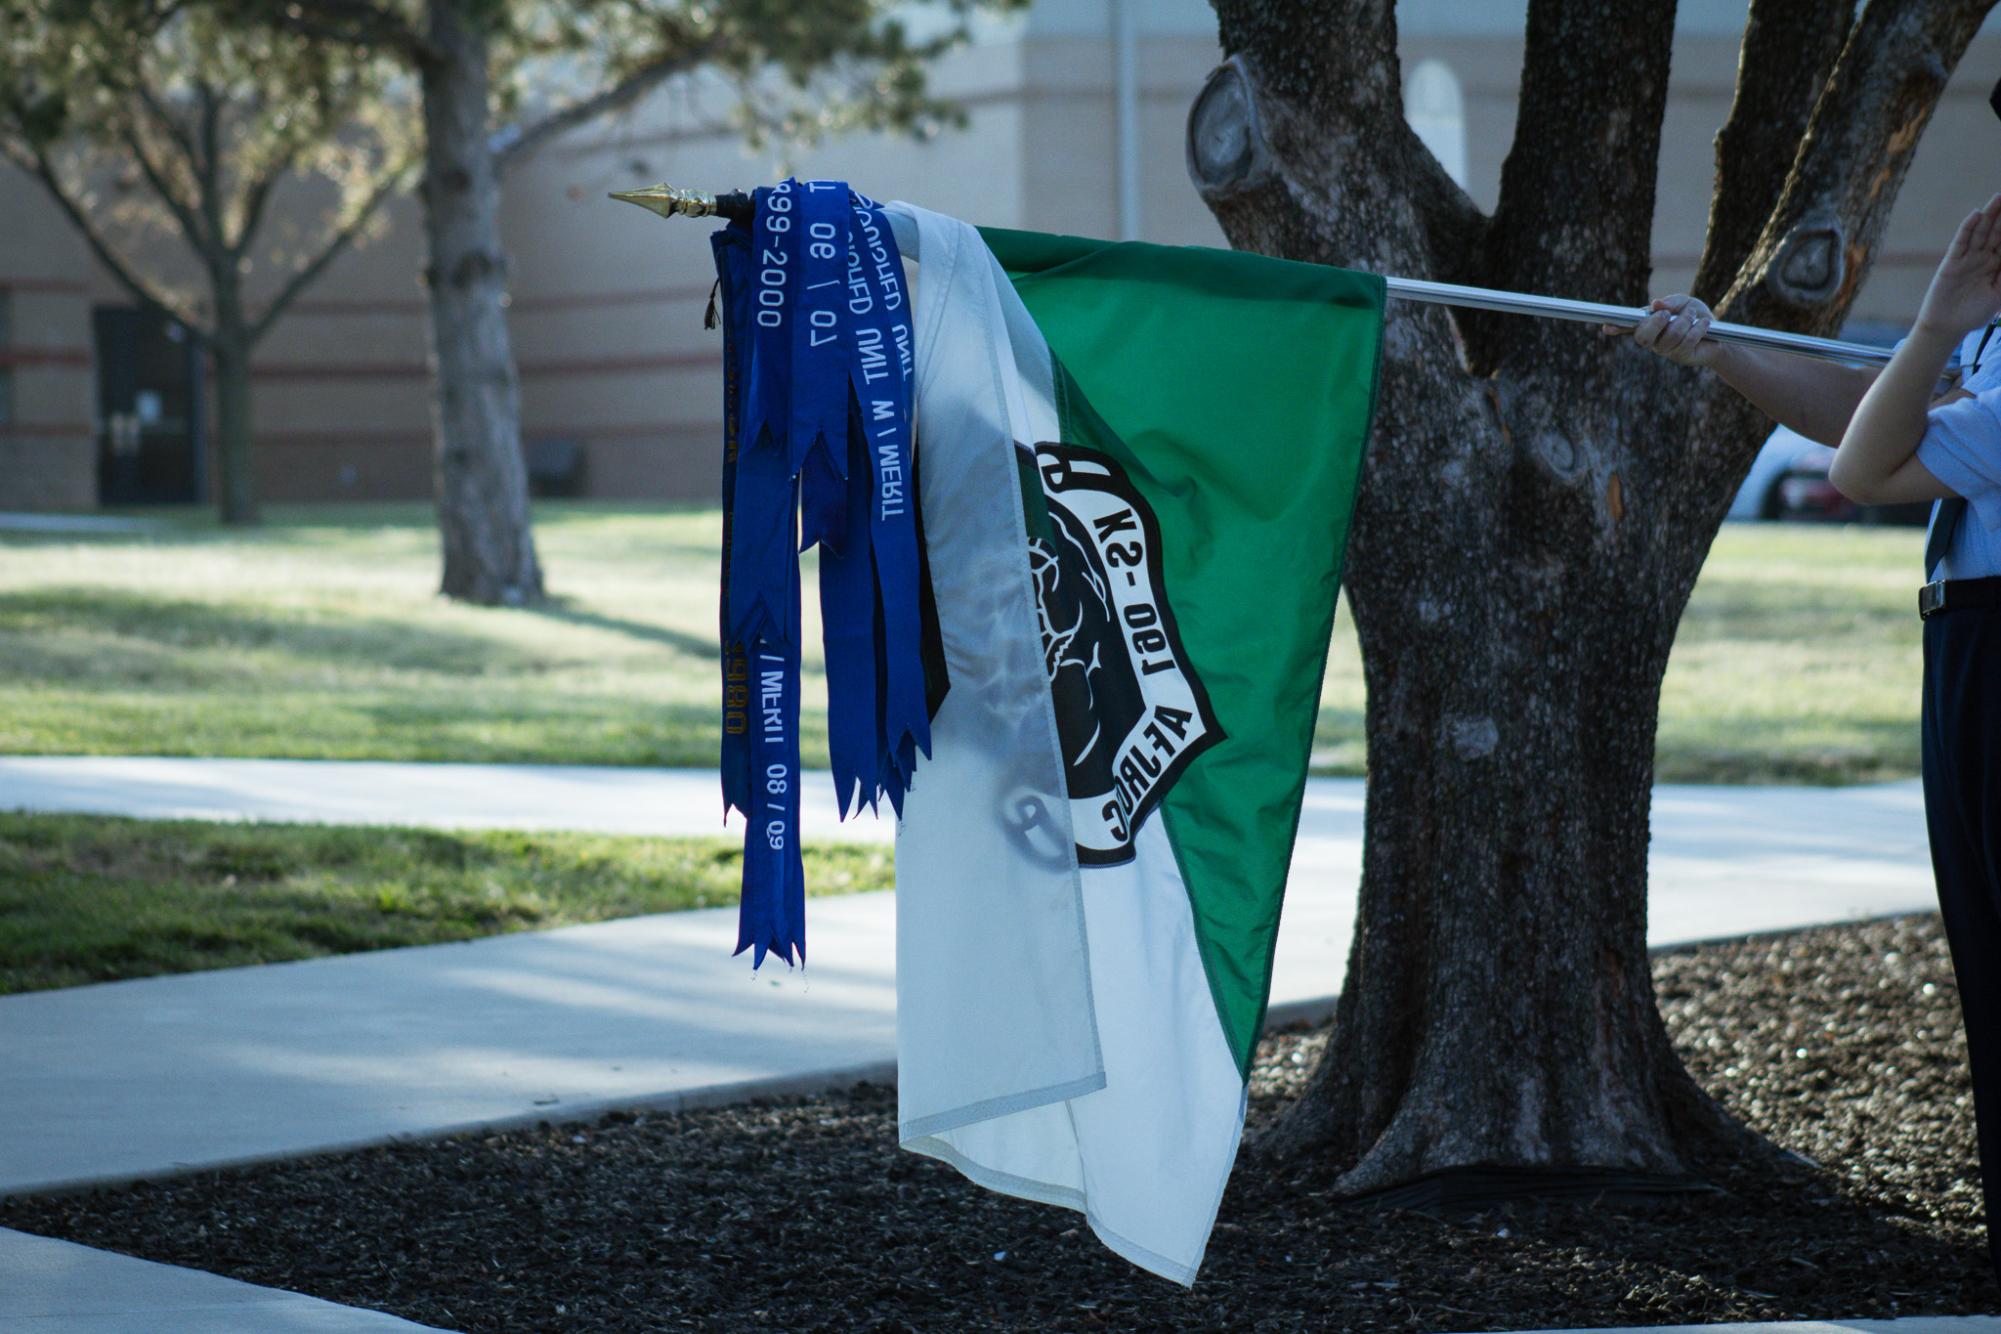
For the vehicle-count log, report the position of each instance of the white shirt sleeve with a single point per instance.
(1962, 448)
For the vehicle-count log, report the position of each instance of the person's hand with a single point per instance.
(1674, 328)
(1966, 291)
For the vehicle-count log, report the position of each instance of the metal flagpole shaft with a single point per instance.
(1625, 317)
(668, 201)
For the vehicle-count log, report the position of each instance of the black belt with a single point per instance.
(1958, 595)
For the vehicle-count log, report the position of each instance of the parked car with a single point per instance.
(1763, 494)
(1788, 480)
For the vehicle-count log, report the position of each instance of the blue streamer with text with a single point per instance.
(818, 374)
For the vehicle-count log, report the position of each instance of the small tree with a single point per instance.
(163, 134)
(1536, 504)
(838, 62)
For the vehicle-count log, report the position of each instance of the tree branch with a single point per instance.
(36, 163)
(1455, 229)
(1576, 211)
(254, 200)
(620, 95)
(184, 213)
(348, 22)
(163, 118)
(208, 170)
(303, 277)
(1789, 49)
(1288, 41)
(1818, 243)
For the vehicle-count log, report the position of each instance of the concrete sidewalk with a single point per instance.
(161, 1075)
(48, 1286)
(1726, 860)
(1921, 1324)
(594, 799)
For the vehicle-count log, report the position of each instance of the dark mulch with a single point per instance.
(1843, 1044)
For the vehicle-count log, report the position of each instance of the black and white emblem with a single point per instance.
(1130, 712)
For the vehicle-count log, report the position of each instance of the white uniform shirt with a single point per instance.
(1962, 448)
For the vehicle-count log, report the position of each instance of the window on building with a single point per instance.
(1436, 109)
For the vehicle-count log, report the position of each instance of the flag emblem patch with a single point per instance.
(1131, 713)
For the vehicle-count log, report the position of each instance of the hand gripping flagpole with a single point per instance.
(670, 202)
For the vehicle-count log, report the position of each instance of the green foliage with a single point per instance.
(153, 121)
(89, 899)
(797, 71)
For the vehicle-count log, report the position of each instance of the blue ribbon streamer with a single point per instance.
(850, 620)
(881, 370)
(818, 448)
(763, 588)
(818, 374)
(765, 500)
(731, 246)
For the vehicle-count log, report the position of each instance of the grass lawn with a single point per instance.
(320, 636)
(87, 899)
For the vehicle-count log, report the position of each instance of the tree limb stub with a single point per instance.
(1226, 150)
(1788, 50)
(1811, 266)
(1816, 244)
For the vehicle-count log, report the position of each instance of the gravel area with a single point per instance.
(1843, 1044)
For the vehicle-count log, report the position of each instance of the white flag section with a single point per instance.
(1057, 1037)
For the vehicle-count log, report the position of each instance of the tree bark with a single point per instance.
(481, 480)
(236, 471)
(1526, 535)
(1792, 46)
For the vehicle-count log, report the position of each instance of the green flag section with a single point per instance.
(1137, 466)
(1242, 389)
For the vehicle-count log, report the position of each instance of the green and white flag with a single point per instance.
(1136, 469)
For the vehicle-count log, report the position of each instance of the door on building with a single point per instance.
(149, 409)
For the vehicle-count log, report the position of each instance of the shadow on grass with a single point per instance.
(181, 526)
(1752, 750)
(566, 611)
(366, 642)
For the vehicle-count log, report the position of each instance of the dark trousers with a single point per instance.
(1962, 768)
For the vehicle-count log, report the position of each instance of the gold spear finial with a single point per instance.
(668, 201)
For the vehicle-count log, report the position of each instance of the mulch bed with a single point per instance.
(1843, 1044)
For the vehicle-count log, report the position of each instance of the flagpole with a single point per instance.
(669, 201)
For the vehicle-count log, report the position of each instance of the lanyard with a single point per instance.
(1975, 367)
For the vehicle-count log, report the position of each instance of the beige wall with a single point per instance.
(608, 300)
(47, 453)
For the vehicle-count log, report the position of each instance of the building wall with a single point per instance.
(48, 451)
(607, 300)
(340, 387)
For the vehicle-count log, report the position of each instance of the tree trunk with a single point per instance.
(236, 470)
(1534, 509)
(482, 484)
(1515, 595)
